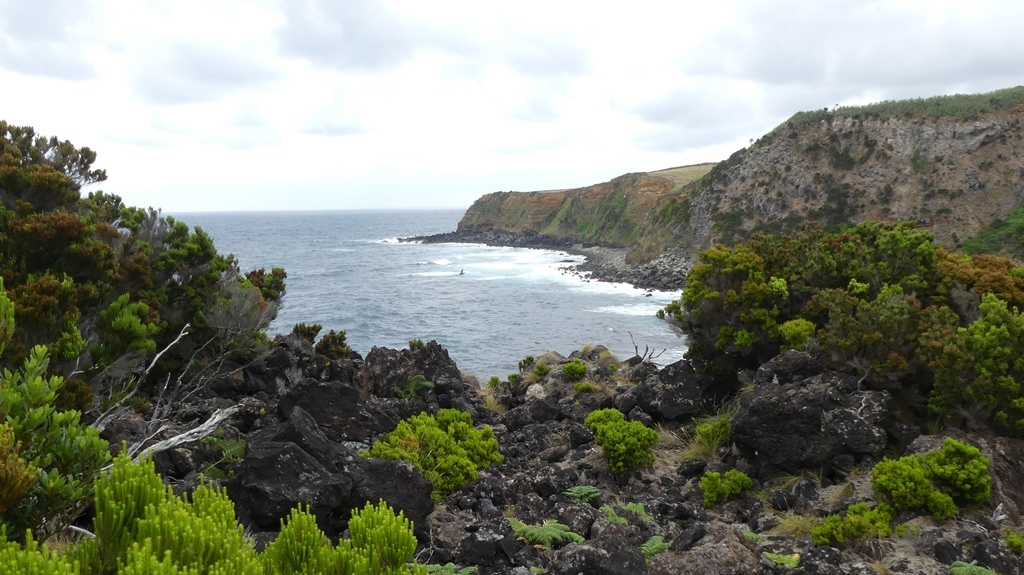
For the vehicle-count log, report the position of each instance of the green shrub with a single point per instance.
(710, 436)
(446, 448)
(67, 453)
(717, 488)
(546, 535)
(415, 343)
(495, 381)
(307, 332)
(333, 345)
(585, 387)
(959, 470)
(526, 362)
(575, 370)
(954, 471)
(32, 559)
(542, 369)
(1014, 541)
(859, 522)
(796, 333)
(624, 444)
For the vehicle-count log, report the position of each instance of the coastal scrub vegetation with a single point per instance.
(624, 444)
(109, 288)
(958, 106)
(446, 448)
(880, 300)
(140, 526)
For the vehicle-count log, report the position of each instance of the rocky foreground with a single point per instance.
(807, 436)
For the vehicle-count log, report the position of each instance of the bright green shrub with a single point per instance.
(32, 559)
(126, 326)
(493, 382)
(796, 332)
(446, 448)
(575, 370)
(624, 444)
(385, 536)
(935, 480)
(959, 470)
(717, 488)
(860, 522)
(67, 453)
(542, 369)
(1014, 541)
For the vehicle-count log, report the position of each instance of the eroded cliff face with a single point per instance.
(610, 214)
(953, 177)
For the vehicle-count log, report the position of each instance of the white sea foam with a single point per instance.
(442, 262)
(634, 310)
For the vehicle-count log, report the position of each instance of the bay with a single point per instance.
(488, 306)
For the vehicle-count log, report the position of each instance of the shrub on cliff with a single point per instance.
(956, 471)
(446, 448)
(881, 300)
(624, 444)
(859, 522)
(717, 488)
(574, 370)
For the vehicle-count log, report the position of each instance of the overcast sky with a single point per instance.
(214, 105)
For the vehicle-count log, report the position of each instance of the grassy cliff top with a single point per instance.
(959, 106)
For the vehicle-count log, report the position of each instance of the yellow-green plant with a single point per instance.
(717, 488)
(653, 546)
(624, 444)
(574, 370)
(859, 522)
(16, 475)
(546, 534)
(446, 448)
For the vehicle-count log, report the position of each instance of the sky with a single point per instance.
(231, 105)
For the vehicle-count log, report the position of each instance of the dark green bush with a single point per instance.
(415, 343)
(575, 370)
(446, 448)
(307, 332)
(624, 444)
(333, 345)
(717, 489)
(542, 369)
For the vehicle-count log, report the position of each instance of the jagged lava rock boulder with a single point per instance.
(801, 416)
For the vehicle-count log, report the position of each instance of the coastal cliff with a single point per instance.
(952, 164)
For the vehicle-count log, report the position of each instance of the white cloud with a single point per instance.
(306, 104)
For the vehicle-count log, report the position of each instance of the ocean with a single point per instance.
(488, 306)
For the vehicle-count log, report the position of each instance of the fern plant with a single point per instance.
(546, 534)
(450, 569)
(961, 568)
(582, 494)
(612, 515)
(653, 546)
(638, 510)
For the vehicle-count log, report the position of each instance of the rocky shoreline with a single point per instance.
(808, 438)
(603, 263)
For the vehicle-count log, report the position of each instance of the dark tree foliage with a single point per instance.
(879, 300)
(94, 279)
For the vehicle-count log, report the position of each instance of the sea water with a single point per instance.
(488, 306)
